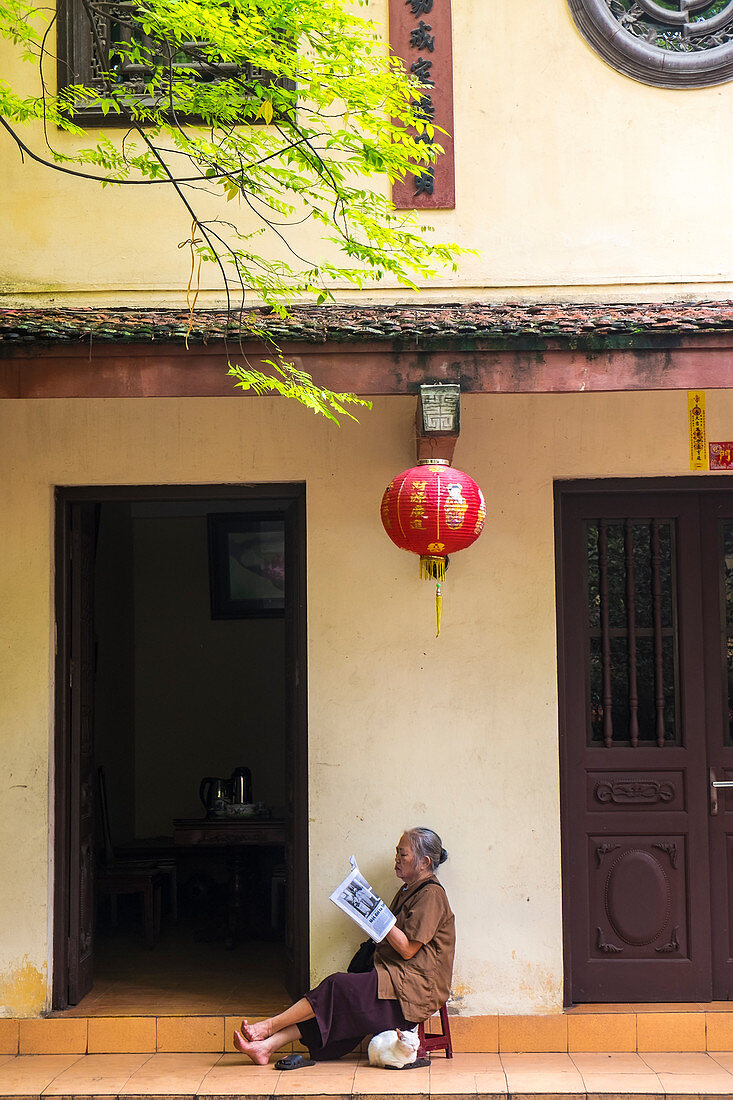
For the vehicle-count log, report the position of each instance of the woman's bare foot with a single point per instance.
(257, 1050)
(255, 1033)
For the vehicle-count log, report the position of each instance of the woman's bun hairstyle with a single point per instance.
(426, 844)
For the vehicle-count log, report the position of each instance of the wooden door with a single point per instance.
(82, 520)
(296, 689)
(717, 554)
(634, 745)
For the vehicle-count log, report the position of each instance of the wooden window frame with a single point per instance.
(643, 61)
(76, 62)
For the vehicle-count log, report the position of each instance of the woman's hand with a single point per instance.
(406, 948)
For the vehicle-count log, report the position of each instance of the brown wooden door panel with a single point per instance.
(296, 851)
(638, 895)
(717, 544)
(650, 789)
(81, 711)
(634, 772)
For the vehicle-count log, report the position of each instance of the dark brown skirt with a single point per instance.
(347, 1008)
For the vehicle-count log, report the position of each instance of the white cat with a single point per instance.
(394, 1049)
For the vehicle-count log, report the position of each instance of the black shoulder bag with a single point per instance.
(363, 960)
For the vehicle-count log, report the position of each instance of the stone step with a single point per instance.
(589, 1076)
(613, 1029)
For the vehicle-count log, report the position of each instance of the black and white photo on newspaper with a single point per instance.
(355, 897)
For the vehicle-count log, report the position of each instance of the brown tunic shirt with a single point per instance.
(421, 984)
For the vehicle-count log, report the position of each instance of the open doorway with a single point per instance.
(181, 659)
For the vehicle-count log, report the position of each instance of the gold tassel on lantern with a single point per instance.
(432, 568)
(438, 608)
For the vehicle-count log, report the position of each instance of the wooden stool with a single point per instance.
(440, 1041)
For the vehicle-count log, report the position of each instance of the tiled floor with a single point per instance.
(588, 1076)
(182, 976)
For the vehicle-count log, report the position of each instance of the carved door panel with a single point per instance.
(634, 748)
(81, 710)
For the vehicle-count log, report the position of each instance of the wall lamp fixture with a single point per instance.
(438, 419)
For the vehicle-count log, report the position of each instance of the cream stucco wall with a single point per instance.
(572, 182)
(458, 732)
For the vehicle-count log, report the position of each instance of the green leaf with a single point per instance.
(293, 107)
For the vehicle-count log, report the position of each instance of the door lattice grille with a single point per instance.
(631, 647)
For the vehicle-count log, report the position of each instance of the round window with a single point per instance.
(670, 43)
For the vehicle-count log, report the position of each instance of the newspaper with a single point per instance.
(355, 897)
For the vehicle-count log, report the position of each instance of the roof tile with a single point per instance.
(427, 324)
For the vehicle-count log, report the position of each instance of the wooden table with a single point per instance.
(235, 835)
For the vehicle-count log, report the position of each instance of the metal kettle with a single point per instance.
(214, 793)
(240, 786)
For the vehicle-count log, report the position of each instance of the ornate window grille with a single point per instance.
(89, 30)
(668, 43)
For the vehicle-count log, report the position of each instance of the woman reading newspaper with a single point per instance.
(409, 981)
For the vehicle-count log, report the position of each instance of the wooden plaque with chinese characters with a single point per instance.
(420, 33)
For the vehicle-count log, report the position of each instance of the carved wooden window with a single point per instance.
(89, 30)
(670, 43)
(631, 648)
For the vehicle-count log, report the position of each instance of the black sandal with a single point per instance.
(294, 1061)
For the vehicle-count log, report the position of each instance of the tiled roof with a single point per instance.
(456, 324)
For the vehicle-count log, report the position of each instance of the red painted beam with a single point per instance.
(116, 370)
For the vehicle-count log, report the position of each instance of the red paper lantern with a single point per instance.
(433, 510)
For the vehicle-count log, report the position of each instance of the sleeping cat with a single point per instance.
(393, 1049)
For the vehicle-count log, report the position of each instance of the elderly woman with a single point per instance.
(410, 979)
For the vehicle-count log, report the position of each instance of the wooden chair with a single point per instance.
(118, 875)
(436, 1041)
(113, 881)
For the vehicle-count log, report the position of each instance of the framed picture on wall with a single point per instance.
(246, 565)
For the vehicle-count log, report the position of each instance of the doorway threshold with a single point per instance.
(183, 977)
